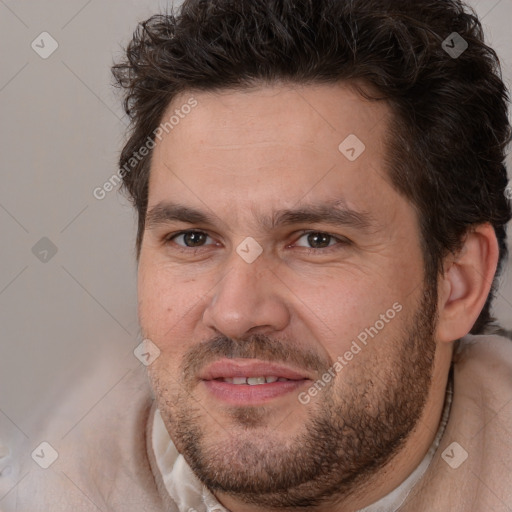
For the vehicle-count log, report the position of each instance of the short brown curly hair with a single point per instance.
(446, 146)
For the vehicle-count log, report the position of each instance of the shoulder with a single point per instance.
(101, 459)
(472, 467)
(484, 362)
(492, 349)
(482, 400)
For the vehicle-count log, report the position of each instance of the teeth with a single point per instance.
(253, 381)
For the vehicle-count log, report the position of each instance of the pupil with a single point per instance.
(318, 239)
(193, 238)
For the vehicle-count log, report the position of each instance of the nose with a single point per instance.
(248, 298)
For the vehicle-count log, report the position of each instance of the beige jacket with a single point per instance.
(107, 461)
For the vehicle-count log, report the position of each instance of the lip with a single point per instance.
(245, 394)
(229, 368)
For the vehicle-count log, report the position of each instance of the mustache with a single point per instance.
(254, 346)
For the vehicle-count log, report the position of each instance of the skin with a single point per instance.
(241, 155)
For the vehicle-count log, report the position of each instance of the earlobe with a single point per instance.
(466, 283)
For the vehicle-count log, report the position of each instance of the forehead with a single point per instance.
(275, 146)
(316, 116)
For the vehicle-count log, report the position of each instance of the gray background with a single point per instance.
(62, 127)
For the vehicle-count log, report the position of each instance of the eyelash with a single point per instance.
(309, 250)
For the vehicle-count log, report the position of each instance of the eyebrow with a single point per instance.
(335, 213)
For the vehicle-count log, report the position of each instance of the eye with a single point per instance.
(314, 241)
(189, 239)
(319, 240)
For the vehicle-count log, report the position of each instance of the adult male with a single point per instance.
(321, 199)
(341, 158)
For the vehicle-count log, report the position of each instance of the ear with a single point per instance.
(466, 282)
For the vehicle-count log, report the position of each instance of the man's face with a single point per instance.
(321, 291)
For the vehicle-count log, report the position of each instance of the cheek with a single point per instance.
(168, 307)
(344, 299)
(157, 297)
(368, 308)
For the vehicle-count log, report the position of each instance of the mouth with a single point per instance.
(253, 381)
(250, 381)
